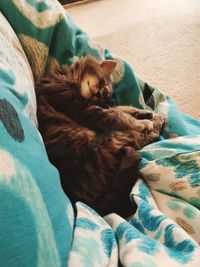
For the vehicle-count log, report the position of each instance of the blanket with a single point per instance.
(165, 230)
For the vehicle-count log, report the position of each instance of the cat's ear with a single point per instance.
(108, 66)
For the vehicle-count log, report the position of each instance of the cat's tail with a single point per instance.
(126, 176)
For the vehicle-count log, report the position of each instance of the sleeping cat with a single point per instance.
(92, 143)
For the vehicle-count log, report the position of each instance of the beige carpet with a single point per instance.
(159, 38)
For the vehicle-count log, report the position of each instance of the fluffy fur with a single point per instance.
(92, 144)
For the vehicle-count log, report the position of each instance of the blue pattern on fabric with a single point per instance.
(25, 228)
(108, 240)
(150, 222)
(88, 249)
(180, 251)
(137, 225)
(144, 192)
(39, 6)
(148, 262)
(181, 124)
(89, 209)
(125, 229)
(27, 174)
(86, 224)
(158, 234)
(42, 215)
(148, 246)
(7, 77)
(188, 168)
(144, 243)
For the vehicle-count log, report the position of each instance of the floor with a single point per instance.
(160, 39)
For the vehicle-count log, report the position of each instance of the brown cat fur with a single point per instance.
(97, 169)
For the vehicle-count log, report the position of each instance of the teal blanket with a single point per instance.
(39, 226)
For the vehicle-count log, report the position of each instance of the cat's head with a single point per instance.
(93, 78)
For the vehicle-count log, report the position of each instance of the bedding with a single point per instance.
(39, 225)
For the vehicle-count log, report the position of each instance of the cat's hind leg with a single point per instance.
(117, 197)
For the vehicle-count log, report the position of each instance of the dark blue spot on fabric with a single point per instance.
(10, 120)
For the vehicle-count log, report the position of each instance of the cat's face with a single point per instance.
(94, 79)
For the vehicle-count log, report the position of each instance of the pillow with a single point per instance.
(36, 216)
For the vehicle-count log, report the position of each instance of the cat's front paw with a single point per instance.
(141, 114)
(143, 126)
(137, 113)
(158, 121)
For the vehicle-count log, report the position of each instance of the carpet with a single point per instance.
(160, 39)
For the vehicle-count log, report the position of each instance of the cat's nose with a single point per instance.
(98, 94)
(105, 91)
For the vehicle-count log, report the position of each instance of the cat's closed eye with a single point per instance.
(89, 86)
(101, 84)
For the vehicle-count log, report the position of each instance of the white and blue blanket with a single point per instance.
(39, 227)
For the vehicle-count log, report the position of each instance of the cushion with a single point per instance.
(36, 216)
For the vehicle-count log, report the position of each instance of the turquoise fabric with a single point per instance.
(36, 218)
(164, 231)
